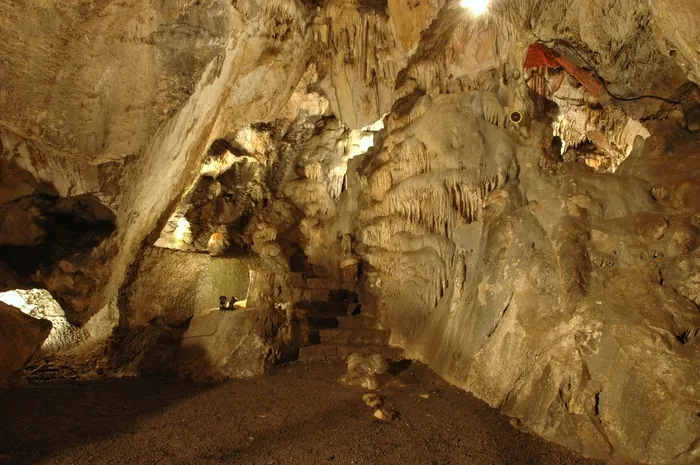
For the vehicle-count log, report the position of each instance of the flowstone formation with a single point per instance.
(510, 198)
(542, 292)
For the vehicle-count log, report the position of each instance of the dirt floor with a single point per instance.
(298, 415)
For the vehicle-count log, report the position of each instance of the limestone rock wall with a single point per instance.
(541, 291)
(122, 103)
(127, 99)
(168, 287)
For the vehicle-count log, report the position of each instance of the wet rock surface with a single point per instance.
(298, 414)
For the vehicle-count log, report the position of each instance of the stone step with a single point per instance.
(358, 336)
(315, 294)
(297, 293)
(344, 295)
(324, 308)
(328, 352)
(322, 321)
(357, 321)
(319, 283)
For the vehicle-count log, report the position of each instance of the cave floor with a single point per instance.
(297, 415)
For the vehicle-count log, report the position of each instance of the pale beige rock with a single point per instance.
(385, 414)
(372, 400)
(410, 18)
(364, 62)
(21, 337)
(542, 299)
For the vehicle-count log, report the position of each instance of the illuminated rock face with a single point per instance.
(39, 304)
(21, 337)
(122, 102)
(172, 286)
(545, 262)
(552, 294)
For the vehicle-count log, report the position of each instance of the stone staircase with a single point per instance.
(339, 324)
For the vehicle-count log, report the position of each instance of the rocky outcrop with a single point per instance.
(21, 337)
(39, 304)
(676, 22)
(140, 351)
(240, 343)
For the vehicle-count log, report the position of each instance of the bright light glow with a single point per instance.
(215, 166)
(183, 231)
(477, 7)
(376, 126)
(40, 304)
(16, 299)
(366, 143)
(361, 140)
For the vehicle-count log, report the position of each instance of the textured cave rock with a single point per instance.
(196, 69)
(39, 304)
(49, 240)
(542, 292)
(170, 287)
(152, 153)
(118, 101)
(21, 336)
(141, 351)
(240, 343)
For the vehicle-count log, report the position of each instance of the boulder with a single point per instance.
(141, 351)
(240, 343)
(20, 337)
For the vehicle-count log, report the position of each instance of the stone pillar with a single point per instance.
(261, 290)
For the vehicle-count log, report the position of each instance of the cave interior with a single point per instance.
(350, 231)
